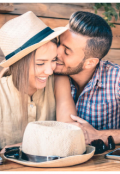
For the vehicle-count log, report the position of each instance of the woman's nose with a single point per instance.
(48, 70)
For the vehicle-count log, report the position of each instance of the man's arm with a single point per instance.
(64, 102)
(93, 134)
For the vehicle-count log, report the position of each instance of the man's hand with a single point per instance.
(89, 131)
(84, 130)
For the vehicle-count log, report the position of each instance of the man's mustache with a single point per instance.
(59, 61)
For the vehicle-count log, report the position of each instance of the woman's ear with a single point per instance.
(90, 63)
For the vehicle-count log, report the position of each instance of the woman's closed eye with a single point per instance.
(40, 64)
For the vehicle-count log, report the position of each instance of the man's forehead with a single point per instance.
(73, 38)
(65, 34)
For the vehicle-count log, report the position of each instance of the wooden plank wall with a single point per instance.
(57, 14)
(6, 7)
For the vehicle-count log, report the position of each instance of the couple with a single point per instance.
(92, 91)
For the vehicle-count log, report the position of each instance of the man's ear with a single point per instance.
(90, 63)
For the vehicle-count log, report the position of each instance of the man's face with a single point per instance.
(70, 53)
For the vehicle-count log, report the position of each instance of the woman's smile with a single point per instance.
(42, 79)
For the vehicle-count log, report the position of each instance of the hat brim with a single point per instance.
(22, 53)
(63, 162)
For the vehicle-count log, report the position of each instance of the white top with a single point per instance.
(41, 108)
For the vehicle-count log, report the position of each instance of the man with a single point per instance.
(95, 84)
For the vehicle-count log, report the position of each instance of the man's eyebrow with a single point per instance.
(67, 47)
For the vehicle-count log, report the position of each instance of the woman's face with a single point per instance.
(45, 63)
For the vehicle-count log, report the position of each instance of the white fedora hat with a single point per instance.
(51, 144)
(24, 34)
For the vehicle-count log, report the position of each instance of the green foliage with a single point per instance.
(109, 11)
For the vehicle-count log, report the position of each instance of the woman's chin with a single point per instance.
(40, 83)
(41, 86)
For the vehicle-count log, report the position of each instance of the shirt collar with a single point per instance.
(71, 82)
(97, 77)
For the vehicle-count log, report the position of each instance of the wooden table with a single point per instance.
(96, 163)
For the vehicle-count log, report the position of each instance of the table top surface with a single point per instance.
(96, 163)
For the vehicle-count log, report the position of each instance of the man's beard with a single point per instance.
(72, 71)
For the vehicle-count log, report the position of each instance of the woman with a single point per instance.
(27, 94)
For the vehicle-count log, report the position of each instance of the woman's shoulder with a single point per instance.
(5, 72)
(7, 89)
(4, 80)
(5, 84)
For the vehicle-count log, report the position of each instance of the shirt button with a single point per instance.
(99, 83)
(31, 106)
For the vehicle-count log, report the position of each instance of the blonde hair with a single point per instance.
(20, 78)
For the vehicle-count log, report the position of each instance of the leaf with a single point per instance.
(109, 17)
(114, 26)
(95, 8)
(106, 8)
(111, 14)
(111, 24)
(116, 16)
(106, 14)
(109, 4)
(112, 10)
(104, 4)
(117, 6)
(109, 11)
(98, 5)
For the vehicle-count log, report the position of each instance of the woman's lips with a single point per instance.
(42, 79)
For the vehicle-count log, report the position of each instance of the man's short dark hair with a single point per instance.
(96, 28)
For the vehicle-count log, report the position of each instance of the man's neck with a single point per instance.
(82, 78)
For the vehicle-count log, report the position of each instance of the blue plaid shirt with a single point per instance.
(99, 102)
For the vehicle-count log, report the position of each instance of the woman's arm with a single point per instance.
(65, 105)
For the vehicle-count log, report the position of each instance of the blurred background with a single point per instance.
(57, 14)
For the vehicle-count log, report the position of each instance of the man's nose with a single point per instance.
(48, 70)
